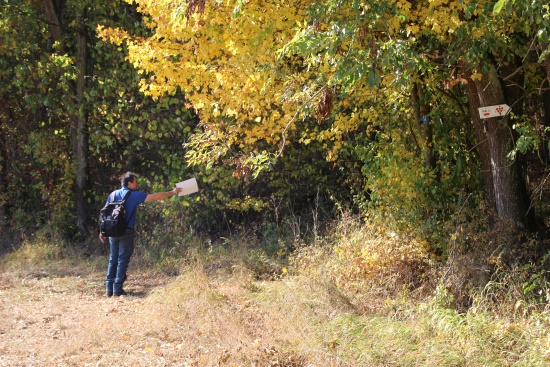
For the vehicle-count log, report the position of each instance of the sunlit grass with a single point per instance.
(234, 303)
(300, 317)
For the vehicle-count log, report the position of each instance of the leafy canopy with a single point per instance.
(224, 58)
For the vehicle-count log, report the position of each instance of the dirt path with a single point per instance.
(50, 320)
(53, 321)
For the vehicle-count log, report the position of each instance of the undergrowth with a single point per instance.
(363, 294)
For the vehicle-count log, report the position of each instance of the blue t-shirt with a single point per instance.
(131, 203)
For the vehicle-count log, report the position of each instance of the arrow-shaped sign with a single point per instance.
(494, 111)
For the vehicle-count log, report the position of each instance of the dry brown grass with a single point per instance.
(341, 302)
(201, 318)
(368, 263)
(48, 320)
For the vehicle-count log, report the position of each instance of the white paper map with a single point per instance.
(189, 186)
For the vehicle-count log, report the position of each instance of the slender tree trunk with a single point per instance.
(514, 93)
(78, 121)
(3, 177)
(545, 143)
(545, 146)
(546, 65)
(505, 185)
(82, 136)
(55, 27)
(421, 111)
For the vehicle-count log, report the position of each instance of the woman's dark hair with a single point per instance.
(127, 178)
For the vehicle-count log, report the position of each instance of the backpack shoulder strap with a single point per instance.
(126, 196)
(112, 196)
(123, 200)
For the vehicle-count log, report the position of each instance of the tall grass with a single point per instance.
(46, 252)
(361, 295)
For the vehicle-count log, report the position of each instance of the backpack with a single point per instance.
(112, 218)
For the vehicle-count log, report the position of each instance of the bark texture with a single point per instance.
(504, 181)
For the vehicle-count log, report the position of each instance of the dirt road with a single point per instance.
(67, 321)
(191, 320)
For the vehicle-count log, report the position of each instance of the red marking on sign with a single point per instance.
(493, 111)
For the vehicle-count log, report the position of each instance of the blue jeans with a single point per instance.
(122, 249)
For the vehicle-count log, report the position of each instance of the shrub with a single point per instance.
(367, 258)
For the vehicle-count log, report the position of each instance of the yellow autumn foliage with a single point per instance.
(224, 62)
(231, 60)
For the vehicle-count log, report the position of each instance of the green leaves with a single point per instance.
(528, 138)
(499, 4)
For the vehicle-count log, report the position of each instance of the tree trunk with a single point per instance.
(546, 65)
(82, 136)
(504, 183)
(545, 144)
(3, 176)
(482, 144)
(421, 111)
(55, 27)
(78, 121)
